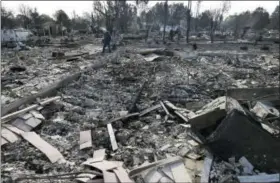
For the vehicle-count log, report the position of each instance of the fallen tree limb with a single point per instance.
(48, 91)
(8, 117)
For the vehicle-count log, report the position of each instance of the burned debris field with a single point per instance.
(152, 110)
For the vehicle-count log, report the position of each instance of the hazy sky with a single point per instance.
(49, 7)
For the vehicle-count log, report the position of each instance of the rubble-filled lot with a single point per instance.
(31, 70)
(130, 83)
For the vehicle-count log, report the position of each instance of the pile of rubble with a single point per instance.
(31, 71)
(152, 115)
(175, 143)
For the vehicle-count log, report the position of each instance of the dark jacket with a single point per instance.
(107, 37)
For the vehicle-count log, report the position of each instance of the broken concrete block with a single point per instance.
(207, 118)
(247, 166)
(270, 130)
(226, 103)
(264, 110)
(238, 135)
(214, 112)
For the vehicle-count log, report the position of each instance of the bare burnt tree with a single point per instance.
(216, 17)
(197, 14)
(24, 15)
(7, 18)
(116, 14)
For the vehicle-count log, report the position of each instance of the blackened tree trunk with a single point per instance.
(165, 18)
(188, 20)
(188, 26)
(212, 30)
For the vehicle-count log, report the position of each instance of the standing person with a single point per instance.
(178, 35)
(194, 46)
(106, 41)
(171, 35)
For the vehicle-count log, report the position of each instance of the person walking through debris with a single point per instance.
(178, 35)
(106, 41)
(194, 46)
(171, 35)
